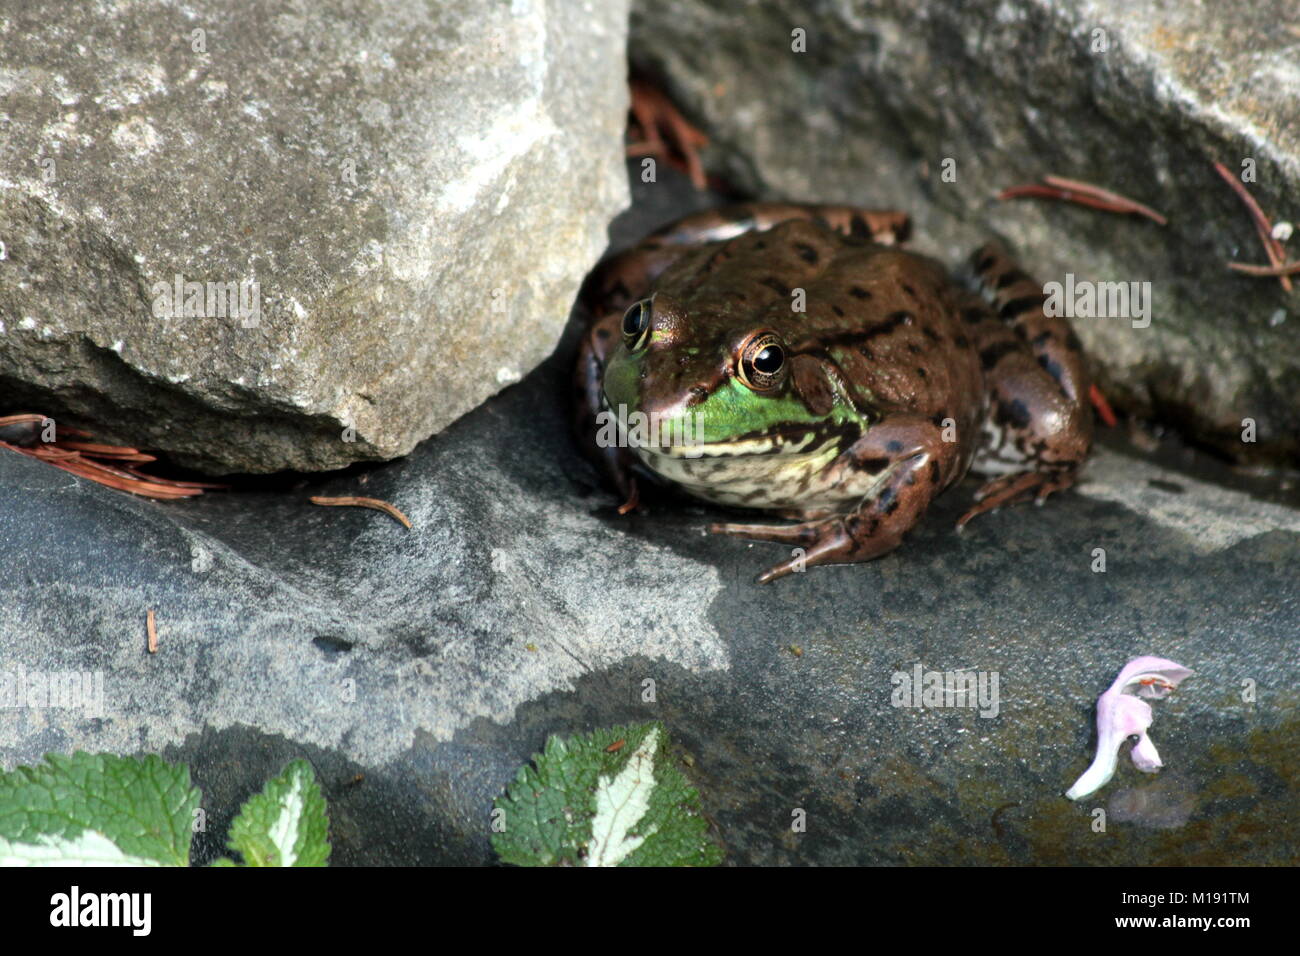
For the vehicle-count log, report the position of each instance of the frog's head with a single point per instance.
(717, 384)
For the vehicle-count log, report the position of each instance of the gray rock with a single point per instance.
(416, 191)
(433, 662)
(1011, 90)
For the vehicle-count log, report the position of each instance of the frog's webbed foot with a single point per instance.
(1010, 489)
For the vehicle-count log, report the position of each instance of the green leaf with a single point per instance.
(286, 824)
(579, 804)
(97, 810)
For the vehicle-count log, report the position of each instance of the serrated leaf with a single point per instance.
(97, 810)
(610, 798)
(286, 824)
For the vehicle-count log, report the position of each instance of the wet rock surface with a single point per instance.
(384, 211)
(520, 605)
(934, 107)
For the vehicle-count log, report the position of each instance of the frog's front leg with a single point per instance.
(899, 465)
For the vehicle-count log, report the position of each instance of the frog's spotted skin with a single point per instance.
(848, 416)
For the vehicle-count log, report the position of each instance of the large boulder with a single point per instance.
(1137, 98)
(385, 210)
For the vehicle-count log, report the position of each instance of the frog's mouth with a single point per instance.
(669, 439)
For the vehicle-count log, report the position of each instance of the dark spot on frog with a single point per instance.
(888, 501)
(776, 285)
(938, 420)
(1042, 338)
(921, 372)
(934, 472)
(332, 646)
(602, 334)
(973, 315)
(914, 348)
(1009, 278)
(873, 466)
(838, 311)
(807, 253)
(1072, 342)
(760, 244)
(994, 354)
(865, 352)
(1014, 412)
(982, 264)
(893, 446)
(1023, 304)
(859, 293)
(909, 290)
(932, 335)
(1168, 486)
(961, 341)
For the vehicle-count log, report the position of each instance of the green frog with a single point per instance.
(796, 360)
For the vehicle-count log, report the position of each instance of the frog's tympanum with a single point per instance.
(793, 359)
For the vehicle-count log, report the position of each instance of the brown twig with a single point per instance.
(90, 460)
(1272, 247)
(1082, 194)
(152, 627)
(1104, 411)
(1285, 269)
(656, 116)
(374, 503)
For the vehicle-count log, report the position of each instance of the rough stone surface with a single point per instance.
(520, 606)
(1012, 90)
(416, 189)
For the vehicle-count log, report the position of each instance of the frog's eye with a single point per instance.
(636, 323)
(762, 362)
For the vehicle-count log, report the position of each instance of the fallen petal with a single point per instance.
(1121, 714)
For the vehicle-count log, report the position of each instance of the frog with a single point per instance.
(799, 361)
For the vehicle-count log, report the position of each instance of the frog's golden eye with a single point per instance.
(636, 324)
(762, 363)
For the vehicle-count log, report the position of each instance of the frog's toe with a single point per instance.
(1010, 489)
(780, 533)
(780, 570)
(631, 496)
